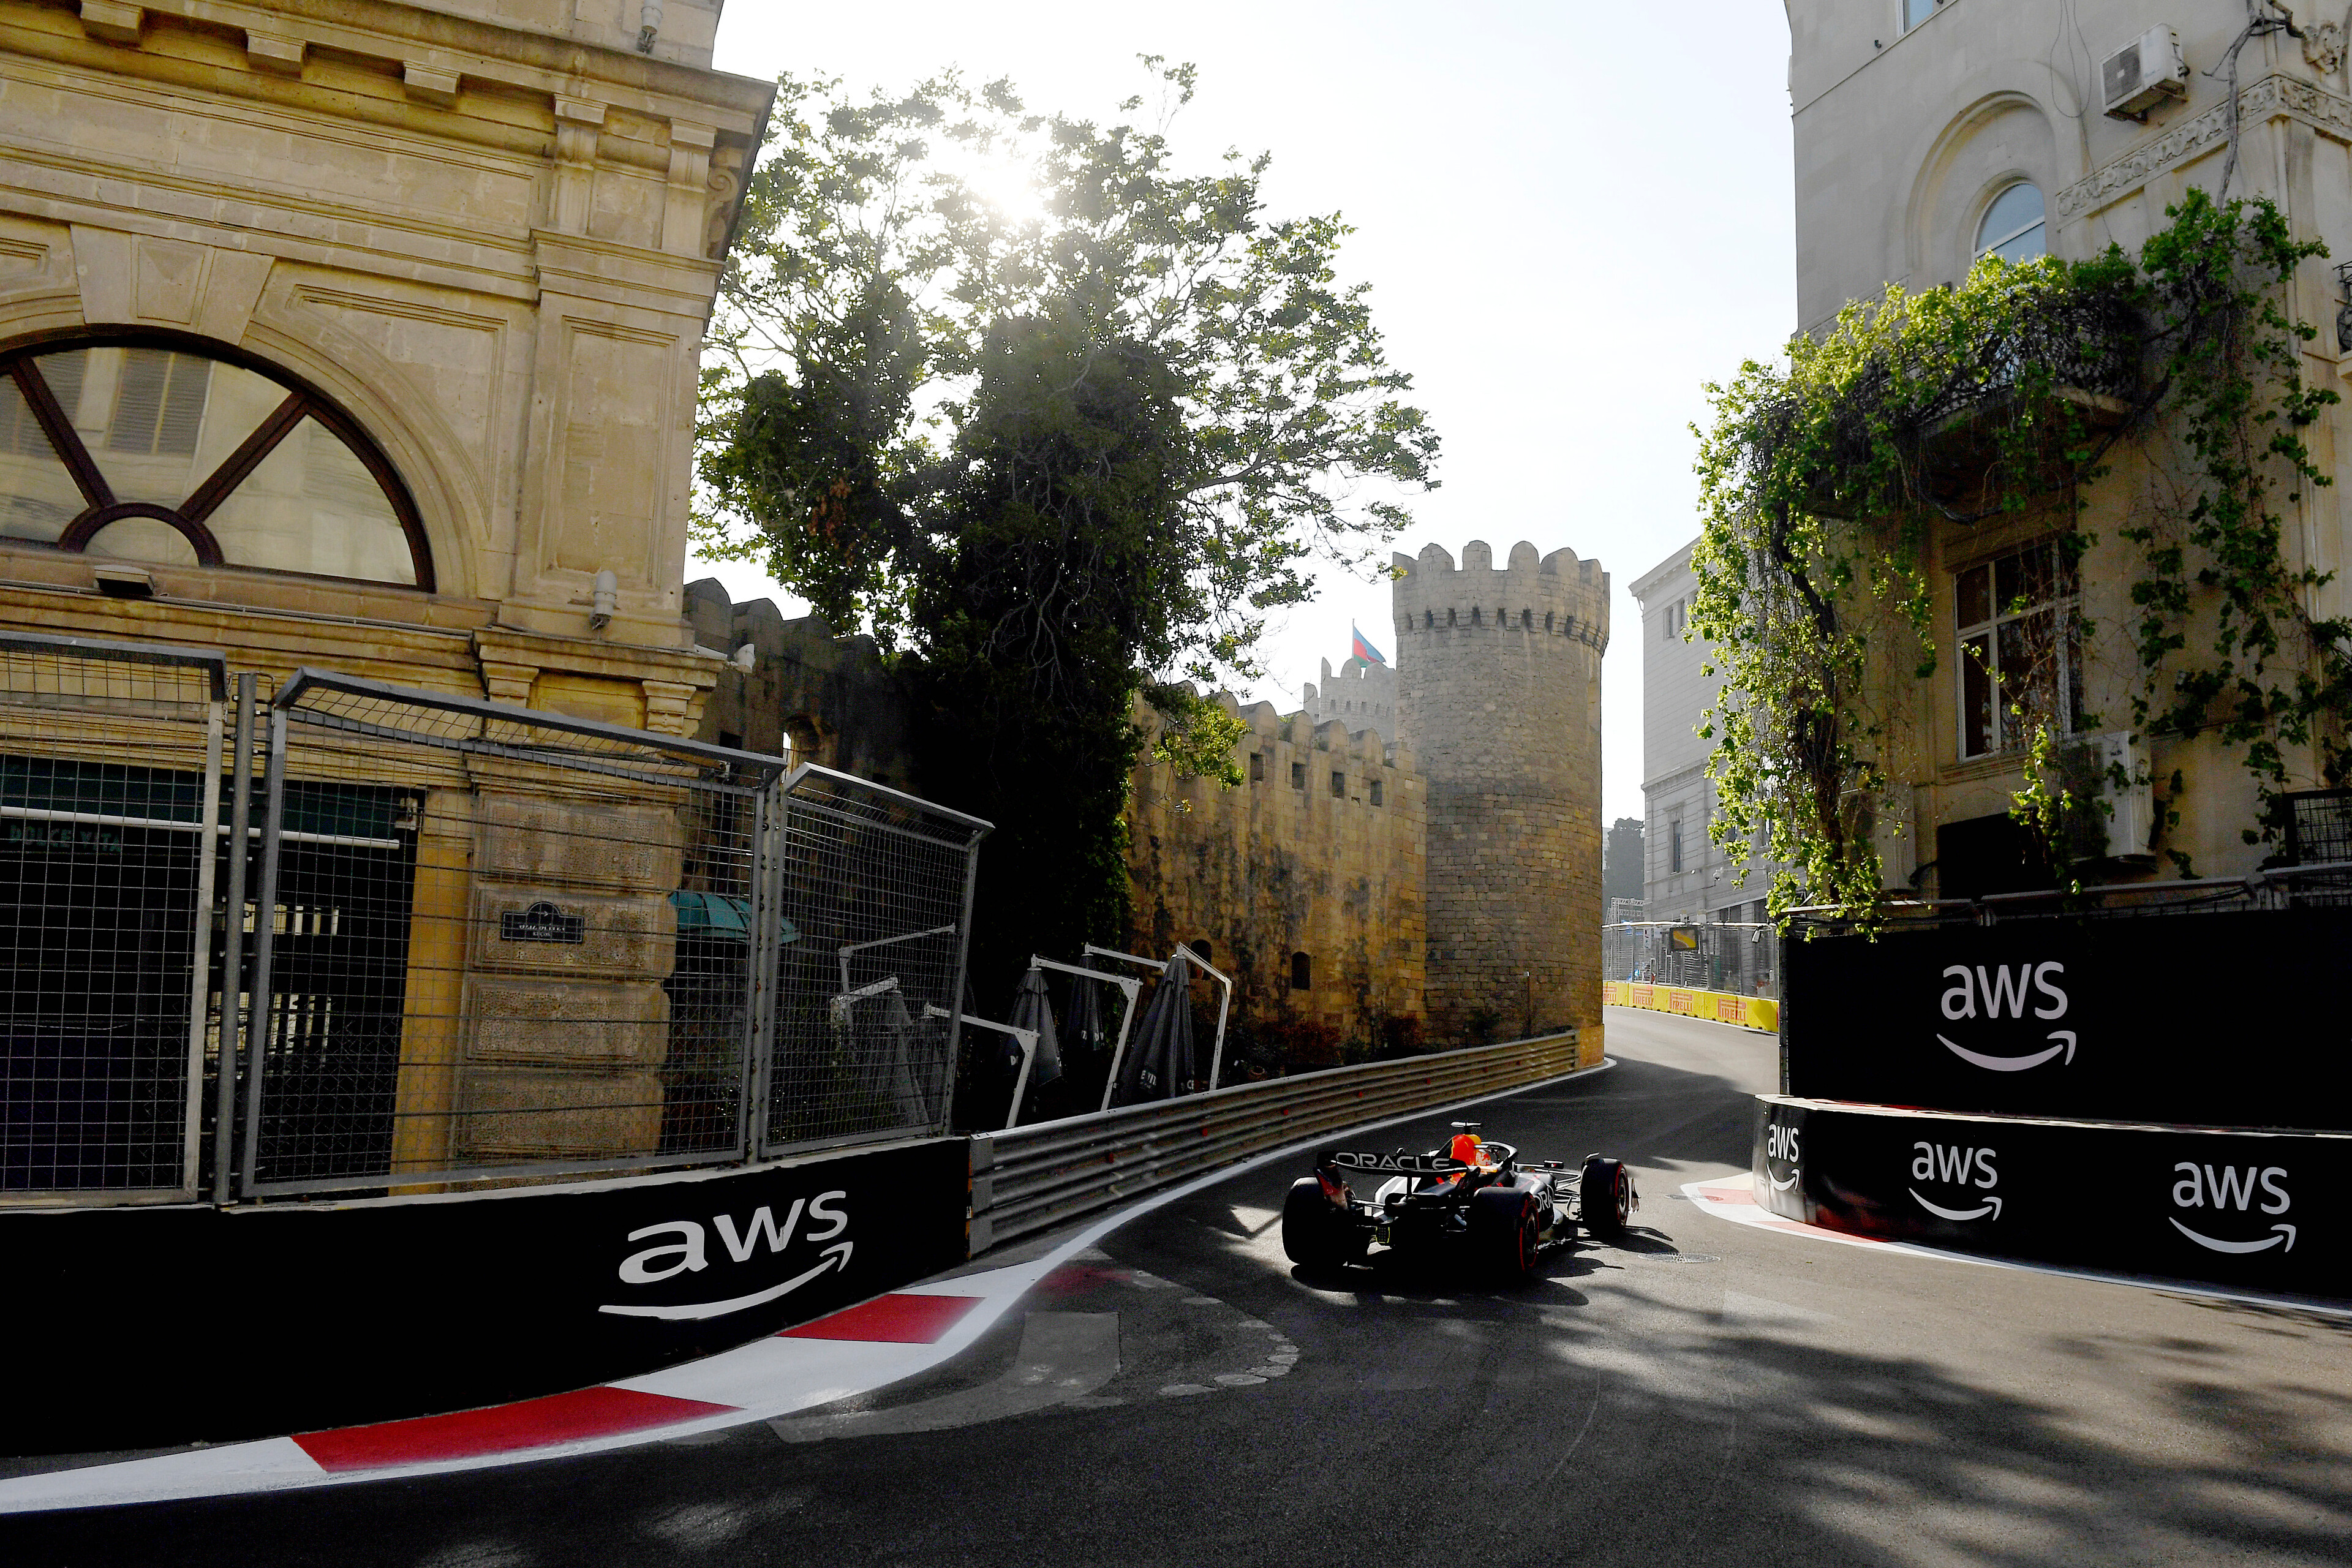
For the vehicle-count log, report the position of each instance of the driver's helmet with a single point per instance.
(1465, 1148)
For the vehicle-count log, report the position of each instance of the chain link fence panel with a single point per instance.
(876, 910)
(1742, 957)
(107, 876)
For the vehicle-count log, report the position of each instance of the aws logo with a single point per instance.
(2202, 1186)
(2004, 993)
(1956, 1166)
(687, 1250)
(1780, 1147)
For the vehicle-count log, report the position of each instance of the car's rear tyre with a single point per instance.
(1605, 1198)
(1507, 1231)
(1314, 1231)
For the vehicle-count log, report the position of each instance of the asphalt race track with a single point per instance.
(1706, 1392)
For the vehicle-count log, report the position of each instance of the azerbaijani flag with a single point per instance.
(1363, 649)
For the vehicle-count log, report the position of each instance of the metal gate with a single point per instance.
(469, 939)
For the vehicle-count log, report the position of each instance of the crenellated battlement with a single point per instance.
(1555, 595)
(1357, 695)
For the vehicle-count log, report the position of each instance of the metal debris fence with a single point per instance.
(1739, 956)
(471, 941)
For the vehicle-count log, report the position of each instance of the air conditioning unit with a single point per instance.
(2111, 768)
(2143, 74)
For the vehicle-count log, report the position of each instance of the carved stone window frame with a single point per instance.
(101, 506)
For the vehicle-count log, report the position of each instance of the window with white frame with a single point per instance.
(2012, 226)
(2019, 622)
(1917, 11)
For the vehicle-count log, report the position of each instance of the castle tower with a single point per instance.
(1498, 694)
(1361, 696)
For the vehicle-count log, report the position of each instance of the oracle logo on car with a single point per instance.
(685, 1249)
(2004, 993)
(1780, 1147)
(2226, 1189)
(1966, 1168)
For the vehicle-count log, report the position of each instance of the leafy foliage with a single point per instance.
(1822, 476)
(1060, 420)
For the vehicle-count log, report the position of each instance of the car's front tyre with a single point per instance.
(1605, 1198)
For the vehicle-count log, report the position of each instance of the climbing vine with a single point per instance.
(1823, 475)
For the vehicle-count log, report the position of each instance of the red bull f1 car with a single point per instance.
(1476, 1199)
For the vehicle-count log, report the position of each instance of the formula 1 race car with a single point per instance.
(1476, 1197)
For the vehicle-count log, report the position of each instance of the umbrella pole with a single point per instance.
(1118, 1052)
(1224, 1006)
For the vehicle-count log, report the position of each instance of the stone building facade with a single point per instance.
(1926, 136)
(366, 336)
(1498, 692)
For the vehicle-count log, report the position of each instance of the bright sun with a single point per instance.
(1009, 188)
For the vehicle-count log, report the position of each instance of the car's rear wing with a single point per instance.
(1399, 1163)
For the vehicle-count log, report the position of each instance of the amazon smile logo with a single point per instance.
(1780, 1146)
(2004, 993)
(2227, 1187)
(686, 1251)
(1955, 1166)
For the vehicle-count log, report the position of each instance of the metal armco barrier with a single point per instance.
(2248, 1210)
(1032, 1178)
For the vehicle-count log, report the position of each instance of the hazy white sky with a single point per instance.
(1571, 216)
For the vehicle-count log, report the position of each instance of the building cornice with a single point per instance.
(2276, 96)
(1648, 581)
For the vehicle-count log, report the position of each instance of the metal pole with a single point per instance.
(240, 821)
(766, 953)
(264, 930)
(955, 998)
(1225, 1008)
(1118, 1052)
(200, 961)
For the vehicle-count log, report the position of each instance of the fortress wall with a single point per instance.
(1280, 864)
(1498, 691)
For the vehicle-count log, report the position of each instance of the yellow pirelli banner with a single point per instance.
(1722, 1006)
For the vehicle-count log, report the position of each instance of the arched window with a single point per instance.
(1302, 973)
(2012, 226)
(159, 449)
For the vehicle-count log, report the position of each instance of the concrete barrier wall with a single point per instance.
(1722, 1006)
(2248, 1210)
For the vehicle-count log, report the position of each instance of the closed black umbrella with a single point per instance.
(1032, 1010)
(1160, 1058)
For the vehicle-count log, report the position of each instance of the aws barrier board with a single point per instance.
(2225, 1019)
(2253, 1211)
(158, 1326)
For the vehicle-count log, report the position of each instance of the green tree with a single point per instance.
(1063, 458)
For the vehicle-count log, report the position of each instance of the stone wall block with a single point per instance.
(593, 843)
(622, 936)
(566, 1024)
(517, 1113)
